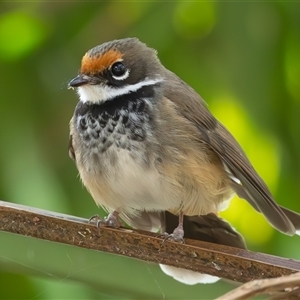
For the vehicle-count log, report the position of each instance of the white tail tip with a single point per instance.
(188, 277)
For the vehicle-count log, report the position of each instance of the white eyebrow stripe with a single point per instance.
(101, 93)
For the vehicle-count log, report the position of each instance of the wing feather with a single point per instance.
(251, 187)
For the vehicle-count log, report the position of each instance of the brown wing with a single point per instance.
(254, 189)
(249, 185)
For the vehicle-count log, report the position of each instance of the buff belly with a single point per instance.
(118, 180)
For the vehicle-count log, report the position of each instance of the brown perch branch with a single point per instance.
(286, 287)
(218, 260)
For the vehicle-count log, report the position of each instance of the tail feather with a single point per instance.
(294, 218)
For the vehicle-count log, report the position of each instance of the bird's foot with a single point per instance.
(176, 236)
(178, 233)
(112, 220)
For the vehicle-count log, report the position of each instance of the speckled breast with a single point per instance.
(119, 122)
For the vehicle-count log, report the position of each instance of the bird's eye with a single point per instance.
(119, 71)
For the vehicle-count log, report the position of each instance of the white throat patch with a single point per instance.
(101, 93)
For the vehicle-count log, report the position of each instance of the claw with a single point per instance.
(178, 233)
(176, 236)
(112, 220)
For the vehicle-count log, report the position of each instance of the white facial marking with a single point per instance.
(101, 93)
(123, 76)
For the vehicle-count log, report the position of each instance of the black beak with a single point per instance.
(78, 81)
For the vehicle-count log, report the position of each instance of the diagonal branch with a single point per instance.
(218, 260)
(287, 287)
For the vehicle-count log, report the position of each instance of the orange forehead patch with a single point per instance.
(96, 64)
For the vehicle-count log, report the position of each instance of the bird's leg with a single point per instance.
(178, 232)
(112, 220)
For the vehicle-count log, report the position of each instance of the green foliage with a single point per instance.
(194, 20)
(20, 34)
(242, 57)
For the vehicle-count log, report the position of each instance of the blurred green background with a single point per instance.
(243, 58)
